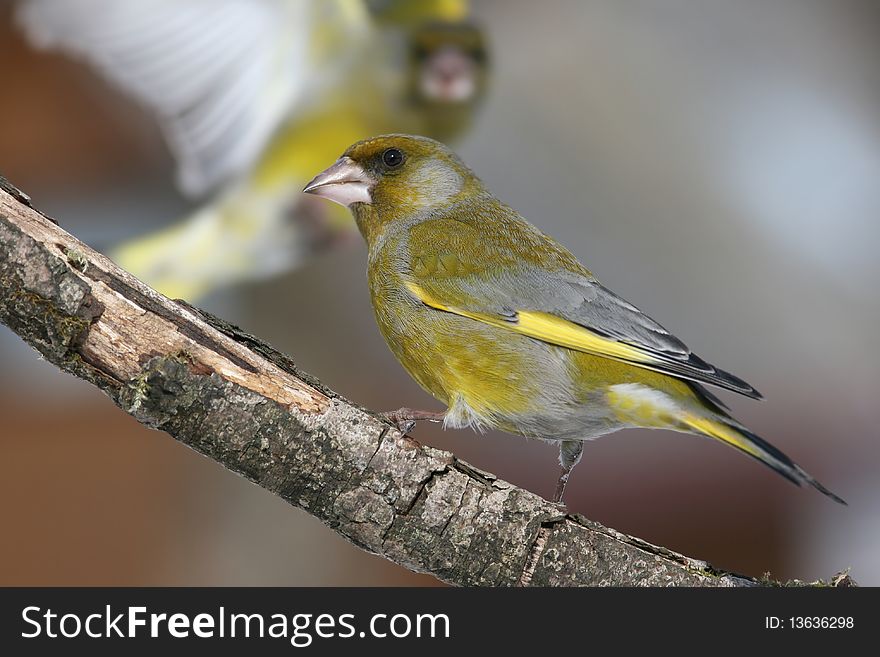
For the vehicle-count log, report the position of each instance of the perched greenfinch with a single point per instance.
(505, 326)
(253, 96)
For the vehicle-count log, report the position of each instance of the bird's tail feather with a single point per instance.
(729, 432)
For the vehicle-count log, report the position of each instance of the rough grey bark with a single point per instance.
(238, 401)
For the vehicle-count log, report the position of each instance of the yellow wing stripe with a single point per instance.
(548, 328)
(556, 330)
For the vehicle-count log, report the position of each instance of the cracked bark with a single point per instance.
(235, 399)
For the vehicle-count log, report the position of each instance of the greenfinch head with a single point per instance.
(448, 64)
(398, 175)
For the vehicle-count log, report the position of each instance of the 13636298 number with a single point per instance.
(821, 622)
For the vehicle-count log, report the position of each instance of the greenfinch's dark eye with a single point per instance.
(392, 157)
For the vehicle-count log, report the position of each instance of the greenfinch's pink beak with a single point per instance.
(345, 183)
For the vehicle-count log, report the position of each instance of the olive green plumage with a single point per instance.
(504, 325)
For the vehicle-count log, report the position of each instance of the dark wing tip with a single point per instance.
(722, 379)
(741, 386)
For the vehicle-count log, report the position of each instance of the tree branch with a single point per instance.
(235, 399)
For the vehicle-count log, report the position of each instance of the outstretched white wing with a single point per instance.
(220, 74)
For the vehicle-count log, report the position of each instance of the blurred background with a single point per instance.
(715, 163)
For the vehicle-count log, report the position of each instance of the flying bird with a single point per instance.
(252, 96)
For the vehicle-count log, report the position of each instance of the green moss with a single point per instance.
(138, 392)
(60, 329)
(77, 259)
(841, 579)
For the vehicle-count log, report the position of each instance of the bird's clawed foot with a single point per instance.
(562, 507)
(405, 418)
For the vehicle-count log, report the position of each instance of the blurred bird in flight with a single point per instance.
(253, 96)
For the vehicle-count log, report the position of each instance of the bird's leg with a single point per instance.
(405, 418)
(569, 455)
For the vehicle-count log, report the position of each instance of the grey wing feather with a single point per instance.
(584, 301)
(607, 314)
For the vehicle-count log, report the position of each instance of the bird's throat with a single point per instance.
(369, 221)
